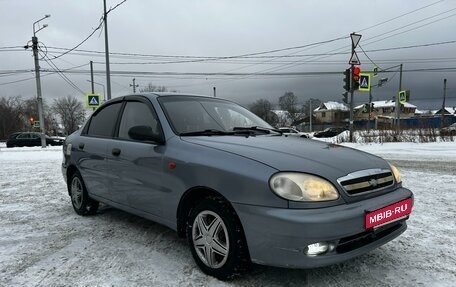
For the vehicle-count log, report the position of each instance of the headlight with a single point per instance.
(302, 187)
(396, 173)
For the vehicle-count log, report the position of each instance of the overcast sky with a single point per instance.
(219, 28)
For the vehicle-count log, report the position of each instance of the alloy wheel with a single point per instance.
(210, 238)
(76, 192)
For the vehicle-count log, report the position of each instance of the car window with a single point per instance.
(137, 114)
(23, 136)
(190, 116)
(102, 123)
(35, 136)
(198, 114)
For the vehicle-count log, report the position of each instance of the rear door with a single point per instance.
(91, 148)
(136, 167)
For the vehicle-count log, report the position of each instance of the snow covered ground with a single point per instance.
(44, 243)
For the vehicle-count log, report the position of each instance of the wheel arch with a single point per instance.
(69, 172)
(189, 200)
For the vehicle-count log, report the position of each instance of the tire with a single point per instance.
(217, 240)
(82, 203)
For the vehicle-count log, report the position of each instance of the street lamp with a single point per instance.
(44, 25)
(38, 81)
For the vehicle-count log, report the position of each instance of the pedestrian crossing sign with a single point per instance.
(93, 100)
(364, 83)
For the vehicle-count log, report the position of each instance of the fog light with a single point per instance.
(316, 248)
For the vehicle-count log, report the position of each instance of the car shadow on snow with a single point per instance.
(118, 226)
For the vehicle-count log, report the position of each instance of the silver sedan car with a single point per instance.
(234, 186)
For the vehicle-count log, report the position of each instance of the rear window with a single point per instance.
(102, 124)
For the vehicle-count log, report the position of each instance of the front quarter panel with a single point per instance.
(238, 179)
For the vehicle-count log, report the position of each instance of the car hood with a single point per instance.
(294, 154)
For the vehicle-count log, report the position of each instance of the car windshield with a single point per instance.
(195, 114)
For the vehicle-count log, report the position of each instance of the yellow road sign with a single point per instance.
(402, 97)
(93, 100)
(364, 83)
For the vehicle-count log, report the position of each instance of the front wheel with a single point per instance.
(217, 240)
(82, 203)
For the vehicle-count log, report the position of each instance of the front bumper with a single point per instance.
(278, 237)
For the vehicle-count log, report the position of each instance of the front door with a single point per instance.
(136, 167)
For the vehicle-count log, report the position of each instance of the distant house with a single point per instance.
(448, 111)
(332, 113)
(384, 109)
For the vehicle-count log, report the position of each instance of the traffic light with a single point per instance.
(31, 121)
(345, 99)
(347, 80)
(356, 72)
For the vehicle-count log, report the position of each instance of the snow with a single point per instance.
(44, 243)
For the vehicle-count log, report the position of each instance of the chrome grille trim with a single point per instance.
(366, 181)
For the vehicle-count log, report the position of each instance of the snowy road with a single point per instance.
(44, 243)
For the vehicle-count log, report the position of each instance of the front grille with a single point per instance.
(364, 181)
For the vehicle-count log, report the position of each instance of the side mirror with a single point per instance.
(144, 133)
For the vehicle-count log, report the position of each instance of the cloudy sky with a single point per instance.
(195, 45)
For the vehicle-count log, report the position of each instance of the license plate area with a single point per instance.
(388, 214)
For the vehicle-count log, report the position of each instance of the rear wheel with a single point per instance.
(82, 203)
(217, 240)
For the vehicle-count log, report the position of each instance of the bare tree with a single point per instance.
(71, 112)
(289, 103)
(150, 88)
(263, 109)
(11, 116)
(30, 110)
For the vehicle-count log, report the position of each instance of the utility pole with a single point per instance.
(134, 86)
(108, 71)
(310, 115)
(215, 92)
(91, 77)
(398, 105)
(443, 103)
(370, 110)
(38, 81)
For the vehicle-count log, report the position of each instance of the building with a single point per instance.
(448, 111)
(383, 109)
(332, 113)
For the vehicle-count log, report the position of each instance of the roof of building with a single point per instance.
(448, 111)
(332, 106)
(386, 104)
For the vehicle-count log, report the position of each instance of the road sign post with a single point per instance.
(355, 40)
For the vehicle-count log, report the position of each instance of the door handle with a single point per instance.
(81, 145)
(115, 151)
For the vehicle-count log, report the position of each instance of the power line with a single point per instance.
(400, 16)
(61, 74)
(43, 71)
(208, 74)
(83, 41)
(91, 34)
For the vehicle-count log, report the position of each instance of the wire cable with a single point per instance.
(61, 74)
(91, 34)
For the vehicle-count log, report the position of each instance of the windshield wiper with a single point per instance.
(209, 132)
(257, 129)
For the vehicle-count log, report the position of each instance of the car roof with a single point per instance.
(167, 94)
